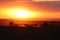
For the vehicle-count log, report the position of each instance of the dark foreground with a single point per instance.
(46, 32)
(32, 34)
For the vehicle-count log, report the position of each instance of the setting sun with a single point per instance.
(21, 13)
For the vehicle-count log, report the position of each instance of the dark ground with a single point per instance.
(51, 32)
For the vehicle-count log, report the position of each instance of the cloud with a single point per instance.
(49, 6)
(1, 1)
(26, 0)
(45, 6)
(44, 0)
(15, 0)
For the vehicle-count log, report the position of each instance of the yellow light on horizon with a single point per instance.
(21, 13)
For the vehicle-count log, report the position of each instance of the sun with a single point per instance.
(21, 13)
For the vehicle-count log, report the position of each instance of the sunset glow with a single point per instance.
(35, 11)
(21, 13)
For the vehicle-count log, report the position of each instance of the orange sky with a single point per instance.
(43, 10)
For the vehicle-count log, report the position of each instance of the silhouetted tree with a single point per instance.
(30, 28)
(45, 25)
(16, 25)
(11, 23)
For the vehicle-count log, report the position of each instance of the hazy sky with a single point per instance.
(29, 0)
(48, 9)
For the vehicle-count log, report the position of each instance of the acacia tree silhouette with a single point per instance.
(11, 24)
(16, 25)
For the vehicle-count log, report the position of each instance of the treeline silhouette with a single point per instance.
(45, 31)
